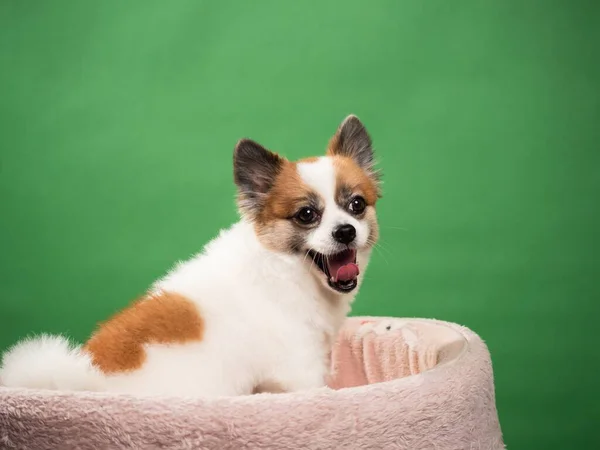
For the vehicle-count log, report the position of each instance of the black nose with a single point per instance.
(344, 234)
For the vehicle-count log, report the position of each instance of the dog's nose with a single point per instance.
(344, 233)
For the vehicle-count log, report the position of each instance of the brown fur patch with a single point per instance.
(310, 159)
(168, 318)
(351, 177)
(288, 194)
(334, 145)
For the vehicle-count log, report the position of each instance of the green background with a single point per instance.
(118, 120)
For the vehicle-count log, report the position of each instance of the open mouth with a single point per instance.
(340, 269)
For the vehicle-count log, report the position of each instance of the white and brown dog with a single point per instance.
(256, 310)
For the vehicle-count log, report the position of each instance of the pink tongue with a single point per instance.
(347, 272)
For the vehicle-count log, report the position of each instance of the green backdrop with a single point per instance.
(118, 120)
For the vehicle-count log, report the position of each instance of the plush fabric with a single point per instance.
(411, 384)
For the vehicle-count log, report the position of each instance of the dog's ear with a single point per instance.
(353, 141)
(254, 171)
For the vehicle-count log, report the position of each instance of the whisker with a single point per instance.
(312, 261)
(394, 228)
(379, 248)
(380, 244)
(305, 256)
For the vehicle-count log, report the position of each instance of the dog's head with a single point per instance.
(321, 209)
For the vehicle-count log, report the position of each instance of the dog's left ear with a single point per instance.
(353, 141)
(254, 171)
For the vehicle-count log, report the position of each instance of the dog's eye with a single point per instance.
(306, 215)
(357, 205)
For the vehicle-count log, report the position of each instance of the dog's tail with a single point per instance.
(49, 362)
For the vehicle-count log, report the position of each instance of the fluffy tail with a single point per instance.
(49, 362)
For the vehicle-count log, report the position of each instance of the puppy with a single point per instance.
(257, 310)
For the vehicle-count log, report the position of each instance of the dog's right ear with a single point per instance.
(353, 141)
(254, 171)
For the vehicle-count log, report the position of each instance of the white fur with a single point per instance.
(49, 362)
(267, 318)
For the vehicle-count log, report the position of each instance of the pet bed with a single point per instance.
(396, 384)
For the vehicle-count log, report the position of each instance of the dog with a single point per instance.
(258, 309)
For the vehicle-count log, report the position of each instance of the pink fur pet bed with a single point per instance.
(396, 384)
